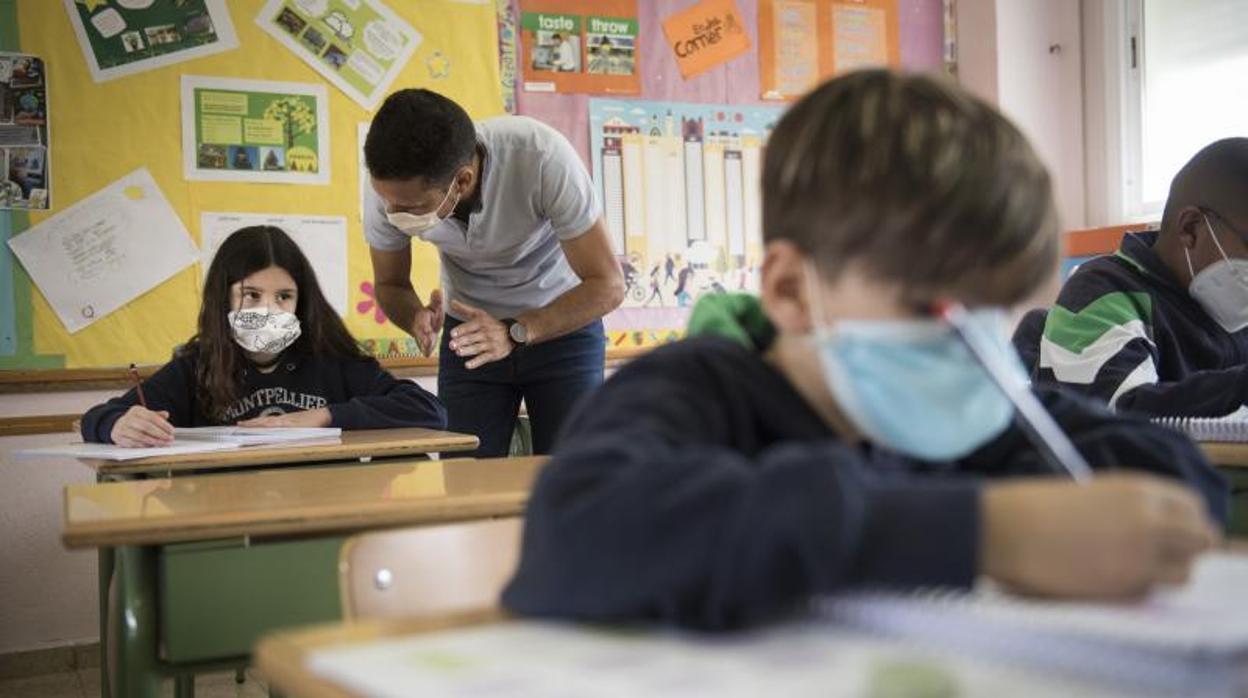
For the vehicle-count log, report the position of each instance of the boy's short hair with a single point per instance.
(419, 133)
(1215, 178)
(921, 183)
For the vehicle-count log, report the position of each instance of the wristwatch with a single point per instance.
(518, 332)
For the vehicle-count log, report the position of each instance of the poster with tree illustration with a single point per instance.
(255, 131)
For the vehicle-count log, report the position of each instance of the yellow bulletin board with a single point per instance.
(102, 131)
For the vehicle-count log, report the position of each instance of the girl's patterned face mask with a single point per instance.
(262, 331)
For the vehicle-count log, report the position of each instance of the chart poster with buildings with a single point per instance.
(255, 131)
(681, 195)
(801, 42)
(572, 46)
(124, 37)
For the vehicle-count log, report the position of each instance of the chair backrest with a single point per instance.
(1027, 336)
(429, 570)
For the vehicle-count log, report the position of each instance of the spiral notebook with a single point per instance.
(1230, 428)
(1190, 641)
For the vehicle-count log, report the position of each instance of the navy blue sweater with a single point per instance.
(698, 487)
(1127, 333)
(357, 391)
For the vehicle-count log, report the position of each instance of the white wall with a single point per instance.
(1025, 56)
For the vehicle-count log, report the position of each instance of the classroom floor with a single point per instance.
(85, 683)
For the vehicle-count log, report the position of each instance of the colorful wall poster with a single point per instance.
(507, 52)
(106, 250)
(25, 172)
(705, 35)
(322, 239)
(802, 42)
(358, 45)
(681, 195)
(124, 37)
(567, 49)
(255, 131)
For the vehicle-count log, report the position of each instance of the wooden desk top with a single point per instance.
(374, 443)
(295, 501)
(281, 657)
(1231, 455)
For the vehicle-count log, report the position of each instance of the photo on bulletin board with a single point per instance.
(680, 185)
(803, 42)
(358, 45)
(255, 131)
(124, 37)
(569, 50)
(25, 180)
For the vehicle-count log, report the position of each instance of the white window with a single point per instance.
(1187, 86)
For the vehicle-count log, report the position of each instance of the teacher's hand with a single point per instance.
(428, 323)
(480, 337)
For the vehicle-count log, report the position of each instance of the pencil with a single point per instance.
(138, 385)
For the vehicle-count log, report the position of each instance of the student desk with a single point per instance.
(367, 444)
(203, 565)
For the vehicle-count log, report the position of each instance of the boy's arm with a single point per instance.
(378, 400)
(644, 513)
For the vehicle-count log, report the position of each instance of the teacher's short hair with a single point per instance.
(419, 134)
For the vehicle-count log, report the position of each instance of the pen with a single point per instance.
(138, 385)
(1041, 429)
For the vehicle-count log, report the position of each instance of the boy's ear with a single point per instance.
(1191, 221)
(785, 289)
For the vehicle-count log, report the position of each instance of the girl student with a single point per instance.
(269, 352)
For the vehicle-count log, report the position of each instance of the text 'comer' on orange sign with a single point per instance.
(705, 35)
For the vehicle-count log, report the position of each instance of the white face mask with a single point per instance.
(416, 225)
(1221, 288)
(264, 332)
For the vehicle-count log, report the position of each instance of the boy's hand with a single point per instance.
(140, 427)
(1116, 536)
(307, 418)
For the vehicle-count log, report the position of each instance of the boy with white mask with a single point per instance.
(722, 479)
(1157, 328)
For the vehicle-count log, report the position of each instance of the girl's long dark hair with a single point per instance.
(220, 361)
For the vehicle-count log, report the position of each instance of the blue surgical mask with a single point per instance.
(912, 386)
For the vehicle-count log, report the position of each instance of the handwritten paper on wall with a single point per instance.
(106, 250)
(131, 36)
(358, 45)
(706, 35)
(255, 131)
(801, 42)
(322, 239)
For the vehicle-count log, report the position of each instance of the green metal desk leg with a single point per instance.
(105, 564)
(184, 686)
(136, 668)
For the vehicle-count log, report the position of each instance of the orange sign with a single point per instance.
(705, 35)
(802, 42)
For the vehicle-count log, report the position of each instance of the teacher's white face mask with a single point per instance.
(417, 224)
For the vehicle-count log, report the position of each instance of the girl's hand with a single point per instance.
(140, 427)
(307, 418)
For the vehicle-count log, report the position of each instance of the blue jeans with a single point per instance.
(550, 377)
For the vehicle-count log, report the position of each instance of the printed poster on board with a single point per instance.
(255, 131)
(358, 45)
(25, 150)
(571, 46)
(124, 37)
(706, 35)
(681, 193)
(803, 42)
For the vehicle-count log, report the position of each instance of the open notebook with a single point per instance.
(256, 436)
(1233, 427)
(195, 440)
(1190, 641)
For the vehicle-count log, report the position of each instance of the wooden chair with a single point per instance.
(431, 570)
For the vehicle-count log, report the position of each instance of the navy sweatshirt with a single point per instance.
(1127, 333)
(357, 391)
(698, 487)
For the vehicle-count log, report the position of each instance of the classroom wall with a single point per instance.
(1026, 56)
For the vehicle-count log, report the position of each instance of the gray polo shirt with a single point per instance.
(535, 192)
